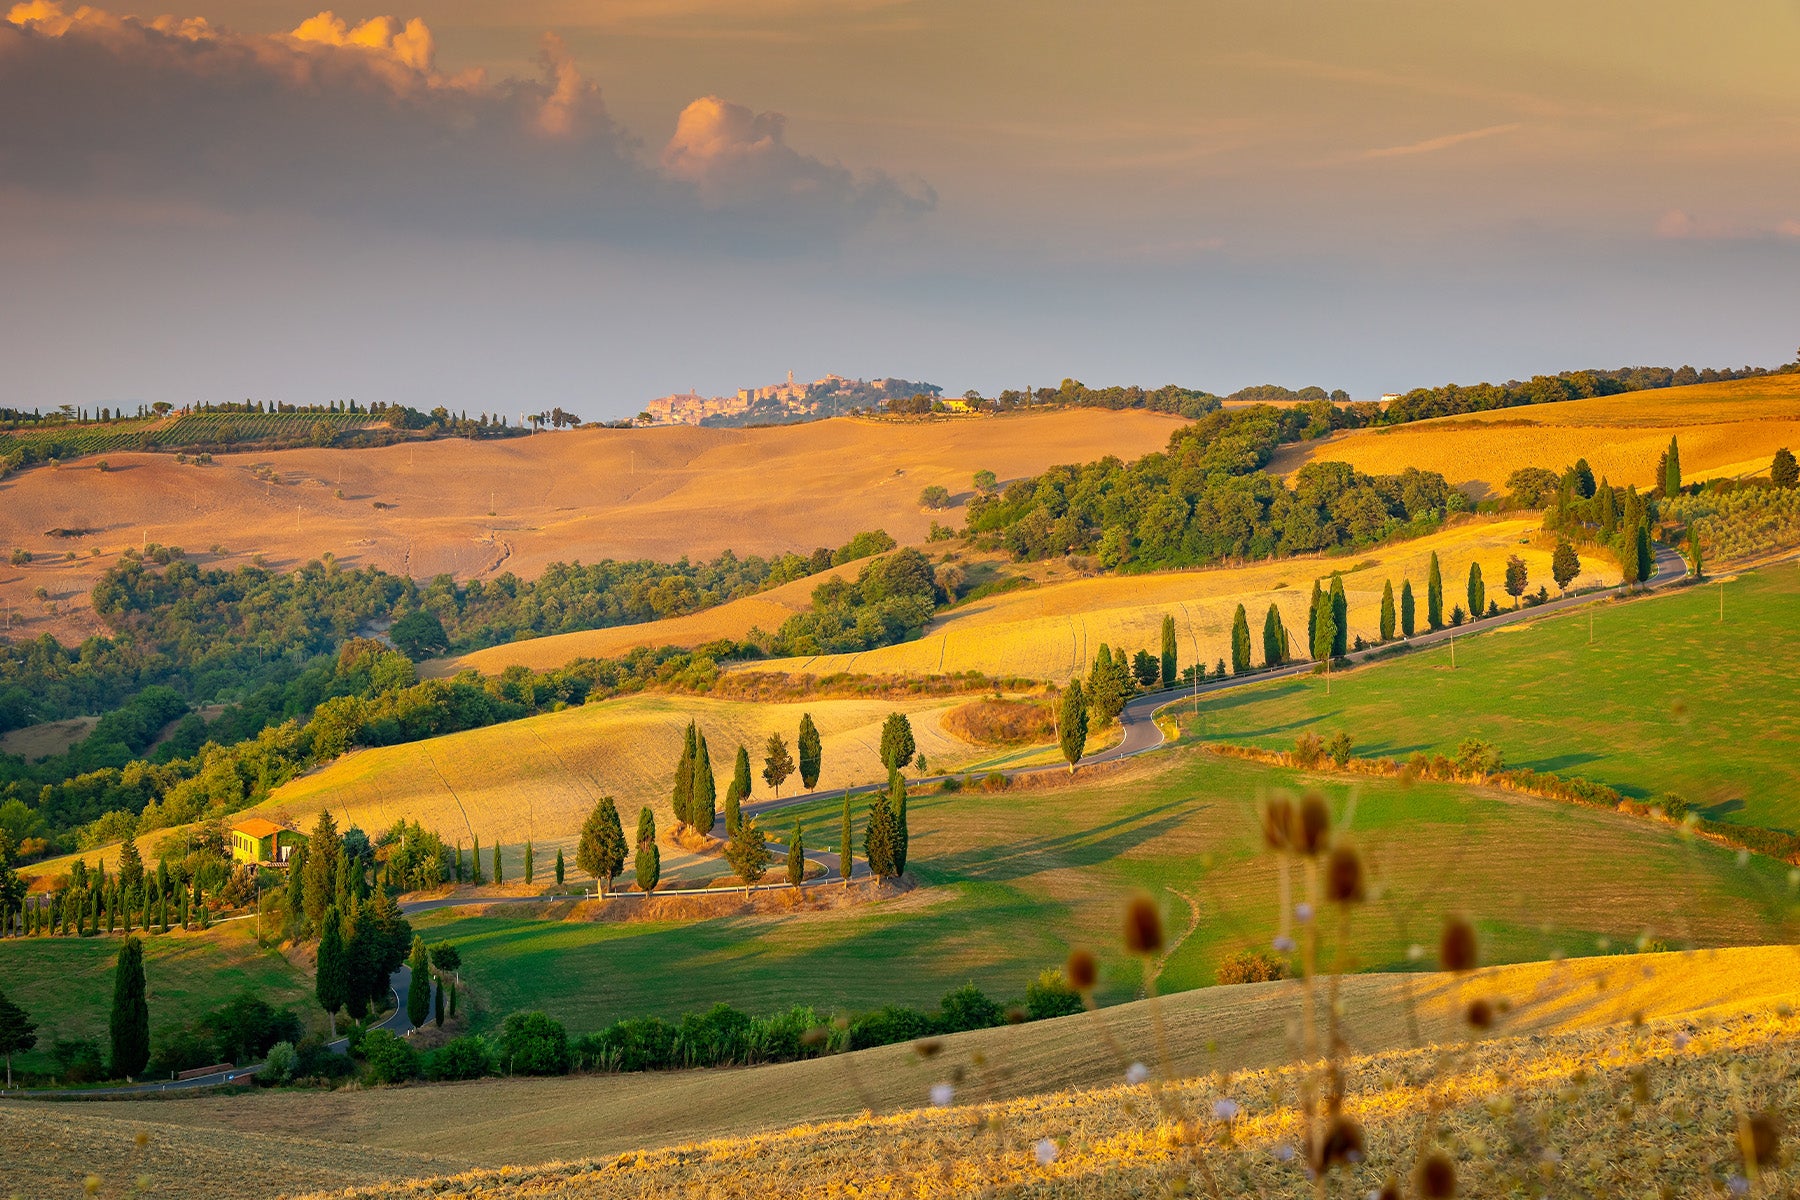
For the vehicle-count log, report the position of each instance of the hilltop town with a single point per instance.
(781, 403)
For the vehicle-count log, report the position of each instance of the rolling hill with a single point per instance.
(1726, 429)
(476, 509)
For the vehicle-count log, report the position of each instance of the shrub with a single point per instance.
(1673, 806)
(78, 1060)
(533, 1044)
(1308, 750)
(1339, 748)
(181, 1051)
(245, 1027)
(316, 1060)
(1051, 996)
(390, 1059)
(1251, 966)
(1476, 757)
(1457, 616)
(638, 1044)
(460, 1058)
(950, 786)
(888, 1025)
(994, 781)
(968, 1007)
(283, 1061)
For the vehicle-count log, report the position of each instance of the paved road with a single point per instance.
(396, 1022)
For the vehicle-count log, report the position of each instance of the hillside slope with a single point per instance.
(475, 509)
(1725, 429)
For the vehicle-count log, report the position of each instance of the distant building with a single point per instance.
(258, 841)
(1389, 397)
(780, 403)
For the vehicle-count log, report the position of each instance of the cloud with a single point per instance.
(354, 120)
(736, 158)
(1433, 145)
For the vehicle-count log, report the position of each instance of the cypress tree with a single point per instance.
(1312, 614)
(748, 853)
(738, 790)
(528, 863)
(1646, 557)
(646, 864)
(778, 764)
(1434, 594)
(1565, 564)
(1671, 480)
(437, 1005)
(846, 861)
(475, 875)
(1240, 642)
(878, 838)
(704, 800)
(1170, 677)
(453, 997)
(681, 801)
(810, 748)
(1387, 611)
(559, 866)
(499, 873)
(1324, 634)
(601, 851)
(1408, 618)
(1609, 508)
(1274, 638)
(897, 801)
(796, 858)
(646, 826)
(1477, 592)
(897, 744)
(321, 883)
(130, 1022)
(1340, 617)
(131, 870)
(1628, 561)
(1694, 564)
(1072, 731)
(418, 987)
(331, 984)
(199, 905)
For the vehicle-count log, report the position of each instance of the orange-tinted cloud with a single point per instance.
(345, 117)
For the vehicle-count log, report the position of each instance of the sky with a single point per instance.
(589, 203)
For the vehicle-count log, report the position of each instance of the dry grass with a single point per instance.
(1002, 722)
(1035, 1077)
(1726, 429)
(475, 509)
(1053, 631)
(52, 737)
(538, 778)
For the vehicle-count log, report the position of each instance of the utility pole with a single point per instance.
(1721, 601)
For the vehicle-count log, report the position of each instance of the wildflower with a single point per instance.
(1136, 1073)
(1681, 1039)
(1283, 944)
(1303, 912)
(1046, 1152)
(1224, 1110)
(1143, 927)
(942, 1094)
(1738, 1185)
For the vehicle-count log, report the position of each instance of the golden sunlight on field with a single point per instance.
(476, 509)
(538, 778)
(1726, 429)
(1052, 632)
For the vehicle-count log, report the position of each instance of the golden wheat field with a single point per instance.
(1728, 429)
(538, 778)
(1053, 631)
(476, 509)
(796, 1128)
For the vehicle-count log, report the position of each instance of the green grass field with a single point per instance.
(1665, 699)
(66, 983)
(1015, 878)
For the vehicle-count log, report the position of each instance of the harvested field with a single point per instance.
(334, 1140)
(1053, 631)
(477, 509)
(1728, 429)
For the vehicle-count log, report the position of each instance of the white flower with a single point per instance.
(1284, 945)
(1136, 1073)
(1739, 1185)
(1224, 1110)
(1303, 912)
(942, 1094)
(1046, 1152)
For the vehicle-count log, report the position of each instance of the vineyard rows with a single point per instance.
(195, 429)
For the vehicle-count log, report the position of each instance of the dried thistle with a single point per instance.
(1082, 971)
(1277, 823)
(1312, 832)
(1480, 1014)
(1761, 1142)
(1143, 927)
(1344, 877)
(1457, 950)
(1436, 1176)
(1341, 1146)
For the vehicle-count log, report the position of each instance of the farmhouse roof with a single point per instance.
(256, 827)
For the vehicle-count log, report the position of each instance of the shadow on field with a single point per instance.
(1086, 848)
(1566, 762)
